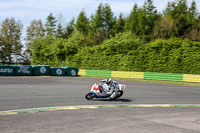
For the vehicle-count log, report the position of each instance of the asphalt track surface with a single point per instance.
(38, 92)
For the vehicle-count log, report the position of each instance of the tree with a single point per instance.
(108, 19)
(82, 23)
(56, 51)
(151, 16)
(132, 20)
(101, 23)
(178, 10)
(141, 20)
(120, 24)
(33, 32)
(198, 28)
(59, 31)
(192, 13)
(50, 26)
(10, 40)
(164, 28)
(97, 19)
(192, 30)
(69, 29)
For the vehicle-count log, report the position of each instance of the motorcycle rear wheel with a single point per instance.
(90, 96)
(120, 94)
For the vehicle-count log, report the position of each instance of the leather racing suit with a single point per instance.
(111, 89)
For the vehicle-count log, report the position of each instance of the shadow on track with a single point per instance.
(116, 100)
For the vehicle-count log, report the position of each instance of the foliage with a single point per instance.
(10, 40)
(59, 31)
(50, 26)
(145, 40)
(173, 55)
(108, 55)
(184, 17)
(54, 51)
(120, 24)
(167, 56)
(82, 23)
(34, 31)
(101, 24)
(70, 28)
(141, 20)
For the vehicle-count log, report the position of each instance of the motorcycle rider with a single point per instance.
(112, 87)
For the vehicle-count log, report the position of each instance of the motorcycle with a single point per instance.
(96, 93)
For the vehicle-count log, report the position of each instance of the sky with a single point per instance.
(64, 10)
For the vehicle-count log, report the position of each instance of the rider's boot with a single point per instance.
(113, 95)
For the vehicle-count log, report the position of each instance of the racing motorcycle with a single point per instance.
(96, 93)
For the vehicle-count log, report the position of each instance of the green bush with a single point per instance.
(55, 51)
(108, 56)
(124, 52)
(171, 56)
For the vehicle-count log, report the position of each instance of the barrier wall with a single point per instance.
(82, 72)
(37, 70)
(41, 70)
(191, 78)
(7, 70)
(141, 75)
(23, 70)
(58, 71)
(120, 74)
(163, 76)
(71, 71)
(102, 73)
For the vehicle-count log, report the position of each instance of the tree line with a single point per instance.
(55, 44)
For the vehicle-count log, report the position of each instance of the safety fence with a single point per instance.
(141, 75)
(37, 70)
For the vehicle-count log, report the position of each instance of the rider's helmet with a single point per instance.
(109, 81)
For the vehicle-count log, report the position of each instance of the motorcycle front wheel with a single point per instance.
(90, 96)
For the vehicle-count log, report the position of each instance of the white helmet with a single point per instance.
(109, 81)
